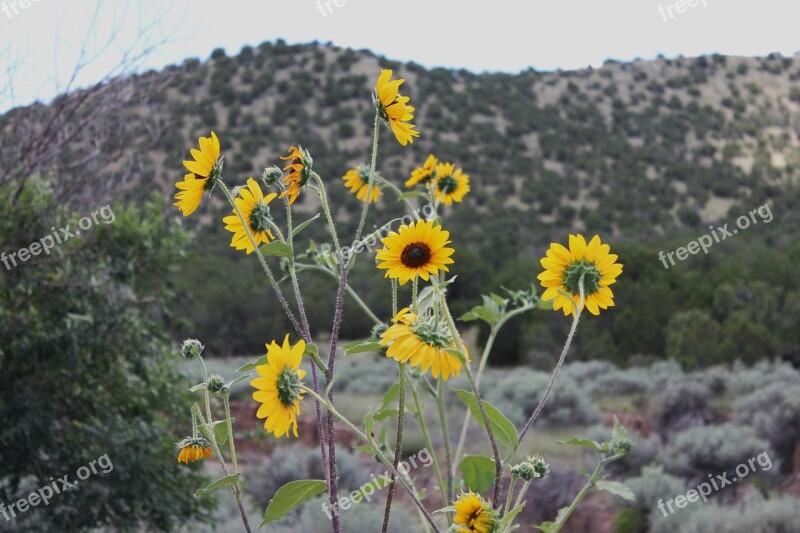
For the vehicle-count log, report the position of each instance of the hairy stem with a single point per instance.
(398, 446)
(564, 351)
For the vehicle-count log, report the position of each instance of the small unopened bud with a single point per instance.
(271, 175)
(532, 468)
(191, 348)
(215, 384)
(623, 446)
(378, 330)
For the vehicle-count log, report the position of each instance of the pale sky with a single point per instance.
(42, 39)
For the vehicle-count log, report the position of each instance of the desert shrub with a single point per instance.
(587, 371)
(745, 380)
(621, 382)
(754, 514)
(364, 516)
(652, 485)
(700, 451)
(773, 411)
(367, 374)
(680, 402)
(290, 463)
(517, 394)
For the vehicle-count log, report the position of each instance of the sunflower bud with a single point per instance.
(216, 385)
(191, 348)
(271, 175)
(532, 468)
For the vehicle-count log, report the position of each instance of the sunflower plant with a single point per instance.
(473, 493)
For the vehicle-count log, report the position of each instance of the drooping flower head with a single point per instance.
(299, 167)
(279, 387)
(473, 515)
(416, 250)
(394, 109)
(204, 171)
(357, 180)
(254, 206)
(451, 184)
(193, 449)
(424, 174)
(565, 267)
(422, 341)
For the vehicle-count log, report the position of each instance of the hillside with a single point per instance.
(640, 152)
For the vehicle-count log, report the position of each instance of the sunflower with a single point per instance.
(424, 174)
(416, 250)
(299, 168)
(451, 184)
(357, 180)
(394, 109)
(564, 268)
(422, 342)
(254, 207)
(279, 387)
(193, 449)
(203, 173)
(473, 515)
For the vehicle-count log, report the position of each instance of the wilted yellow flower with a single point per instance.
(473, 515)
(299, 168)
(424, 174)
(194, 449)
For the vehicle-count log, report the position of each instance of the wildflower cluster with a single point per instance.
(420, 334)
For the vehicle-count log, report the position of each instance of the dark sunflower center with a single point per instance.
(259, 218)
(448, 184)
(288, 390)
(591, 278)
(416, 254)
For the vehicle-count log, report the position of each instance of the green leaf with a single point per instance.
(277, 248)
(290, 496)
(499, 300)
(409, 194)
(199, 386)
(311, 349)
(549, 527)
(585, 443)
(237, 380)
(390, 395)
(250, 366)
(369, 422)
(221, 482)
(449, 509)
(509, 517)
(220, 428)
(617, 489)
(368, 345)
(304, 225)
(385, 413)
(503, 429)
(619, 433)
(478, 472)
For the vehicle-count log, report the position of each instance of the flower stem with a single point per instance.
(590, 483)
(236, 488)
(564, 351)
(498, 463)
(264, 265)
(398, 446)
(385, 460)
(428, 443)
(448, 456)
(509, 495)
(481, 367)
